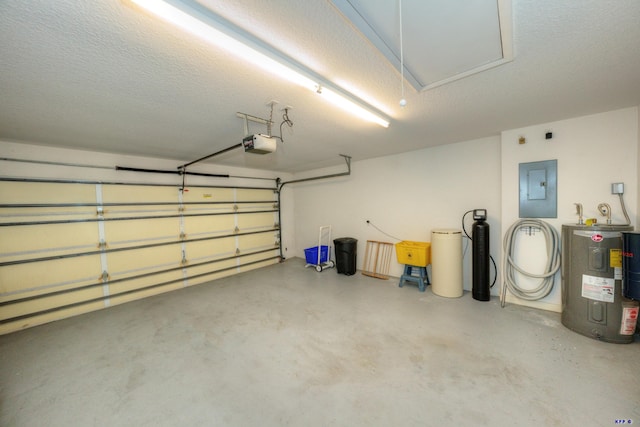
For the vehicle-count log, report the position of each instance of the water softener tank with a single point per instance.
(480, 290)
(592, 300)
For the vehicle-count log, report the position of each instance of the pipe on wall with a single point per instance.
(280, 185)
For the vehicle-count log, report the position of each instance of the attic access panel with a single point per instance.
(443, 41)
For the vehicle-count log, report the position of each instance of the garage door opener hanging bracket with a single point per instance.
(182, 169)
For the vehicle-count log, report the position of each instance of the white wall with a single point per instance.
(408, 195)
(405, 195)
(592, 152)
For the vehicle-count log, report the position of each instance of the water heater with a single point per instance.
(592, 301)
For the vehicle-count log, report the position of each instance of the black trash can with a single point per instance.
(346, 253)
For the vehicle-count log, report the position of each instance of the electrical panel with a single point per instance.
(539, 189)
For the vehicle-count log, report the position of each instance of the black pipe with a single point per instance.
(125, 168)
(128, 248)
(128, 169)
(131, 291)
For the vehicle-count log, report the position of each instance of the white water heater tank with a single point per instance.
(446, 262)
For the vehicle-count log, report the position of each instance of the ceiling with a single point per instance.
(456, 39)
(104, 76)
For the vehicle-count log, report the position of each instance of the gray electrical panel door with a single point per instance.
(539, 189)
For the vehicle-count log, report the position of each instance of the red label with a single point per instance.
(597, 238)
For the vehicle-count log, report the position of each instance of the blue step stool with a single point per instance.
(421, 278)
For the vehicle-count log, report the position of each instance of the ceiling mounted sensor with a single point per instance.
(196, 19)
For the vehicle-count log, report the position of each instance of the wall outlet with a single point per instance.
(617, 188)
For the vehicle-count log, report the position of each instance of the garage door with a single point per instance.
(72, 247)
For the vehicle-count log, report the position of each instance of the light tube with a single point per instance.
(189, 23)
(350, 106)
(204, 25)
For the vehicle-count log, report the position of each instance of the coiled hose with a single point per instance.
(552, 266)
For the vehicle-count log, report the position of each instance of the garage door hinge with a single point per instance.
(237, 251)
(236, 230)
(183, 236)
(100, 211)
(276, 225)
(275, 206)
(105, 276)
(235, 208)
(181, 209)
(102, 245)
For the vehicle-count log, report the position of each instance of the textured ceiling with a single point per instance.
(102, 75)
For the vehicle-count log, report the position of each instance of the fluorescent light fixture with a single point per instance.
(195, 19)
(347, 105)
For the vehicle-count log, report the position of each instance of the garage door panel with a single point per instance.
(138, 194)
(143, 213)
(138, 284)
(47, 214)
(252, 194)
(35, 241)
(123, 233)
(215, 266)
(116, 243)
(145, 293)
(46, 193)
(210, 208)
(209, 225)
(257, 241)
(47, 303)
(256, 221)
(20, 277)
(211, 249)
(135, 260)
(49, 317)
(259, 256)
(208, 194)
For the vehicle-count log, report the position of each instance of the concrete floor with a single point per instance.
(286, 345)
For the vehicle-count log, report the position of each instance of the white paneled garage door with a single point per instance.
(71, 247)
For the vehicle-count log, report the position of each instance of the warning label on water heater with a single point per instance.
(598, 288)
(629, 319)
